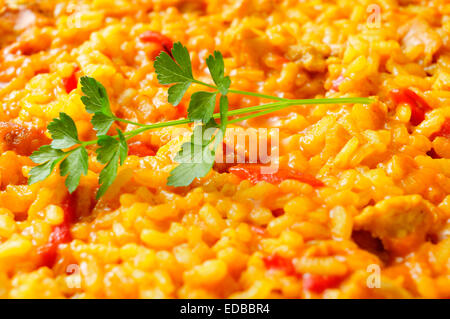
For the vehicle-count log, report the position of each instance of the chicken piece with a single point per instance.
(402, 222)
(417, 32)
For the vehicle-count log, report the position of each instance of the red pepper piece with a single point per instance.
(71, 82)
(60, 234)
(278, 212)
(252, 172)
(156, 37)
(318, 283)
(444, 131)
(417, 104)
(280, 263)
(48, 254)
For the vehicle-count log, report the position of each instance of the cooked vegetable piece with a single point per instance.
(60, 234)
(318, 283)
(71, 82)
(444, 130)
(279, 263)
(253, 173)
(140, 149)
(417, 104)
(156, 37)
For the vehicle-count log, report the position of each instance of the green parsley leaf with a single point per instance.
(185, 173)
(41, 172)
(217, 68)
(169, 71)
(48, 157)
(201, 137)
(102, 123)
(63, 131)
(96, 97)
(110, 152)
(74, 165)
(192, 151)
(46, 153)
(181, 55)
(108, 175)
(201, 107)
(196, 157)
(223, 121)
(109, 146)
(96, 101)
(177, 91)
(177, 70)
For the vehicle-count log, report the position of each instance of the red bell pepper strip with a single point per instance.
(252, 172)
(71, 82)
(444, 131)
(140, 149)
(60, 234)
(417, 104)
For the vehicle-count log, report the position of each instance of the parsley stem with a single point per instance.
(128, 121)
(264, 96)
(87, 143)
(297, 102)
(261, 113)
(242, 92)
(361, 100)
(138, 131)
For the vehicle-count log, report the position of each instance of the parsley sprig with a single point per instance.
(195, 157)
(71, 153)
